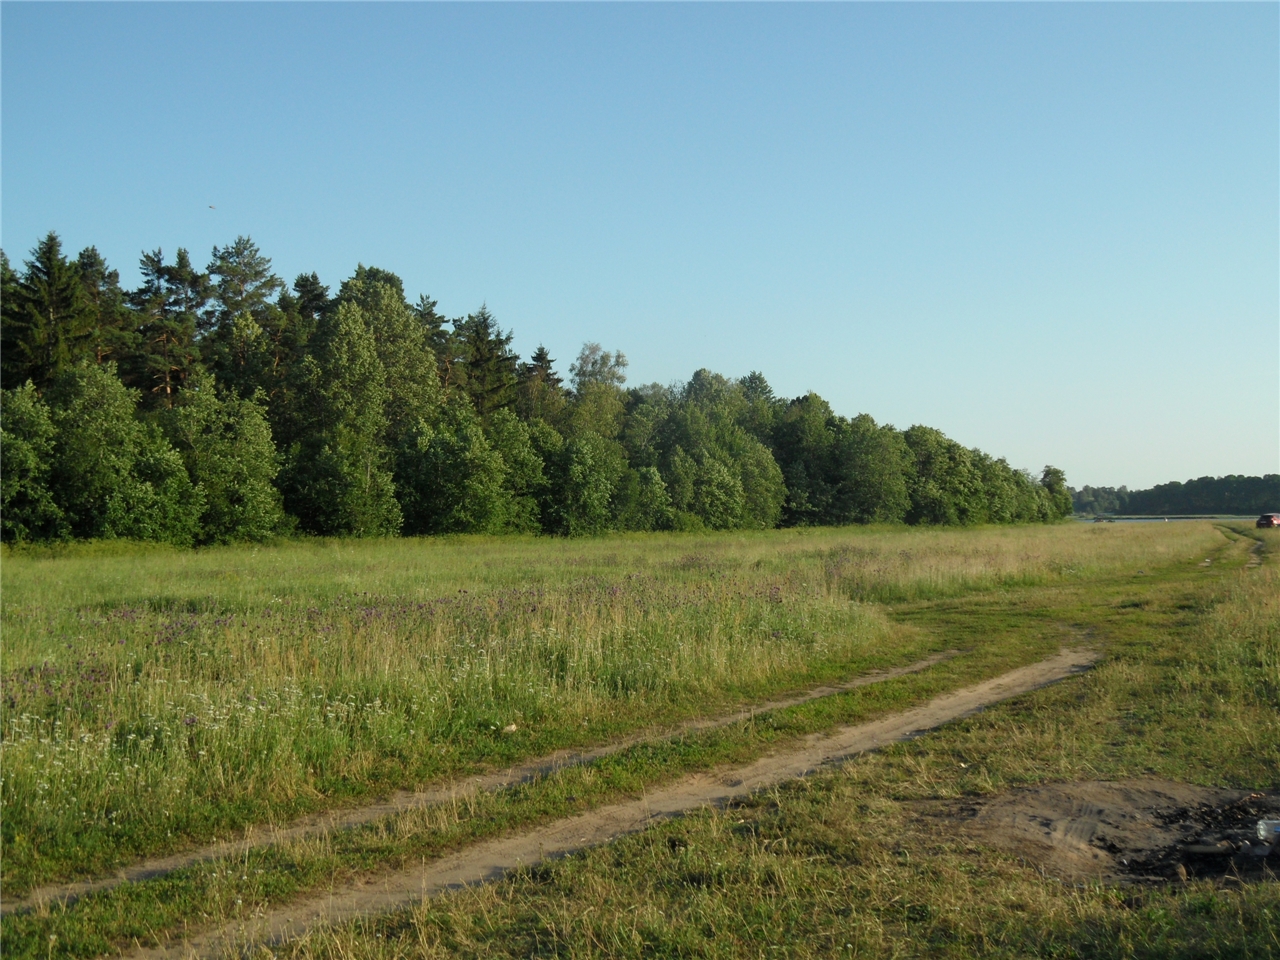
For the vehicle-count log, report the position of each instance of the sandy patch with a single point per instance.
(1129, 830)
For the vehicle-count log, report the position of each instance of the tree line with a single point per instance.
(1233, 494)
(220, 405)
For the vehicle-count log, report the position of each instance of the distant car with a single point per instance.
(1269, 520)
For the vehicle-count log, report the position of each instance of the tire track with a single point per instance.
(405, 800)
(491, 860)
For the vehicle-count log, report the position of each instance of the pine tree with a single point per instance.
(48, 323)
(11, 365)
(302, 309)
(444, 343)
(489, 362)
(243, 283)
(540, 392)
(168, 306)
(541, 367)
(114, 335)
(244, 330)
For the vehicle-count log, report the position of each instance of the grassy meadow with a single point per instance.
(156, 698)
(858, 862)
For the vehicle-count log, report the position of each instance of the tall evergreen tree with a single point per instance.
(542, 368)
(48, 322)
(244, 329)
(243, 283)
(488, 361)
(444, 343)
(114, 336)
(11, 326)
(303, 309)
(540, 390)
(167, 306)
(311, 297)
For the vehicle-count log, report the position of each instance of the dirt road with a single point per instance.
(492, 859)
(401, 801)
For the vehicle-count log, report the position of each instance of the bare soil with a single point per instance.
(492, 859)
(1135, 831)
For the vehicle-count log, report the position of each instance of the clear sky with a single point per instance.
(1052, 231)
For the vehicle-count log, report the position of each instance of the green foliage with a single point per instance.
(540, 392)
(709, 490)
(378, 414)
(401, 341)
(584, 476)
(302, 309)
(719, 476)
(452, 480)
(1098, 501)
(598, 408)
(1234, 494)
(243, 283)
(337, 478)
(641, 501)
(226, 446)
(167, 309)
(488, 372)
(804, 442)
(112, 475)
(945, 487)
(1054, 482)
(27, 508)
(245, 333)
(596, 365)
(114, 336)
(872, 464)
(524, 480)
(47, 323)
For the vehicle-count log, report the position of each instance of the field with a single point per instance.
(159, 700)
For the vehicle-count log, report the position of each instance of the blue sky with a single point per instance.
(1052, 231)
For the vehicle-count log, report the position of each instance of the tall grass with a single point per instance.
(153, 696)
(870, 860)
